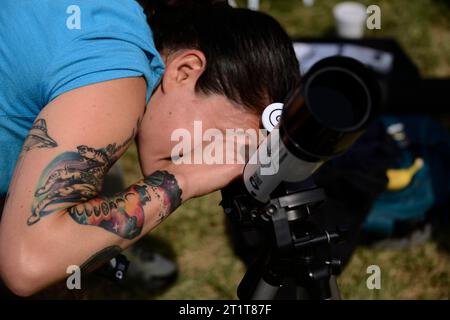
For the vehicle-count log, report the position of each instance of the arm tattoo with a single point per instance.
(123, 214)
(73, 180)
(167, 191)
(73, 177)
(38, 137)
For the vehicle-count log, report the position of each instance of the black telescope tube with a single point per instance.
(335, 103)
(337, 100)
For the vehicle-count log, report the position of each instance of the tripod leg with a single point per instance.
(265, 291)
(254, 286)
(335, 293)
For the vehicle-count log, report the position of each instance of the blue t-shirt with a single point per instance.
(48, 47)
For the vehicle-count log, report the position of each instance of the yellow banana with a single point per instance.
(401, 178)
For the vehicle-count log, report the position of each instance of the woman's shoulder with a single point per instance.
(73, 43)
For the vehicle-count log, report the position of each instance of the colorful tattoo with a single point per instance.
(166, 190)
(73, 180)
(124, 214)
(73, 177)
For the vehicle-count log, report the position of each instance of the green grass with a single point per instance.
(195, 234)
(420, 272)
(422, 27)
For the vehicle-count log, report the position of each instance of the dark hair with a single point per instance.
(250, 58)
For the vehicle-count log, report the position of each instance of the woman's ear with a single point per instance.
(183, 69)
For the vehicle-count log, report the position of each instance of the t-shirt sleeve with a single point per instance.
(119, 49)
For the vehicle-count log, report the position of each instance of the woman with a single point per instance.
(84, 78)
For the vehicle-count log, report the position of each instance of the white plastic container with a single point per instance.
(253, 4)
(350, 19)
(308, 3)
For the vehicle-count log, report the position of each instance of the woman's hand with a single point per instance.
(197, 180)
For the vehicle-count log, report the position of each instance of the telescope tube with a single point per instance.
(337, 100)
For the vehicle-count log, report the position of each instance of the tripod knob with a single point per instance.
(335, 266)
(271, 210)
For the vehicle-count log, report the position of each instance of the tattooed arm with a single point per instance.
(55, 215)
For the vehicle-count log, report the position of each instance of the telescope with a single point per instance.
(320, 120)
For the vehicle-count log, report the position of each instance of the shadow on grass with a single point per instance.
(441, 232)
(443, 2)
(134, 288)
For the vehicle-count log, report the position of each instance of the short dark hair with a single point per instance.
(250, 58)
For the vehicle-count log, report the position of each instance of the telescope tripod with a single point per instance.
(296, 254)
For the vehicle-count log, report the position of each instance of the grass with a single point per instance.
(421, 26)
(420, 272)
(195, 235)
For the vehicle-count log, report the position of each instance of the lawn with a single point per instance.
(195, 235)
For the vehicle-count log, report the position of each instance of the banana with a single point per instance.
(401, 178)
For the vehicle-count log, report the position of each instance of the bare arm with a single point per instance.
(55, 215)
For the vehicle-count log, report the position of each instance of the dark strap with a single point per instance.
(2, 204)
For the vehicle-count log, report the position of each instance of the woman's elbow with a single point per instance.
(23, 275)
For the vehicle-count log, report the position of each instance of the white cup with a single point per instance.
(350, 19)
(253, 4)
